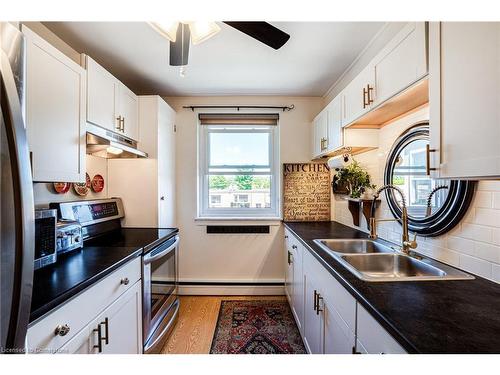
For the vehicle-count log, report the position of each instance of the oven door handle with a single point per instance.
(148, 258)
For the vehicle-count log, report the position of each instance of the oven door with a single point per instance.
(159, 288)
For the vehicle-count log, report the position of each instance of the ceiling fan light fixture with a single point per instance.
(201, 31)
(166, 29)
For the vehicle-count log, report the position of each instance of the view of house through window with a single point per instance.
(239, 169)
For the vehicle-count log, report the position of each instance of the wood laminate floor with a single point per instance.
(195, 327)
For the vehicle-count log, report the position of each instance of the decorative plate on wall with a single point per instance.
(82, 188)
(62, 187)
(97, 183)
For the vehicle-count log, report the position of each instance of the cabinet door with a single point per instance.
(464, 95)
(320, 134)
(55, 123)
(358, 95)
(166, 165)
(102, 90)
(373, 338)
(402, 62)
(338, 337)
(334, 128)
(81, 343)
(288, 268)
(129, 112)
(124, 320)
(313, 329)
(298, 284)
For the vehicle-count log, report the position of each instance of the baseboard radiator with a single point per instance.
(215, 288)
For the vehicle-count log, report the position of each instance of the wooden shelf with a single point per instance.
(361, 205)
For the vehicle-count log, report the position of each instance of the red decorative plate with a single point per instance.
(62, 187)
(82, 188)
(98, 183)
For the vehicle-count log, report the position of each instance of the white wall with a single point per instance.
(474, 245)
(243, 258)
(44, 193)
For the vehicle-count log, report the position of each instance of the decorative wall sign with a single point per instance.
(97, 183)
(306, 192)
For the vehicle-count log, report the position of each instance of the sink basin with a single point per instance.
(354, 246)
(399, 267)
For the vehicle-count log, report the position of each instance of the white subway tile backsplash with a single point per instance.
(496, 273)
(476, 266)
(496, 201)
(476, 232)
(487, 216)
(489, 185)
(487, 252)
(461, 245)
(483, 199)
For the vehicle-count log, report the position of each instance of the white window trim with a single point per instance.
(273, 213)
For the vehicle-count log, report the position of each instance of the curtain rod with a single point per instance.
(238, 107)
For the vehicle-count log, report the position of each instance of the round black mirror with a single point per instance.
(434, 206)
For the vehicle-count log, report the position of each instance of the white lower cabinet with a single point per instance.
(373, 338)
(332, 322)
(294, 278)
(111, 309)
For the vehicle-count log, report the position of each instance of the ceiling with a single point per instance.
(230, 63)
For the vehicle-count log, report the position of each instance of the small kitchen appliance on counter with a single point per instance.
(101, 228)
(45, 237)
(69, 236)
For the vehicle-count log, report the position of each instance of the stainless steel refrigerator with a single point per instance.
(17, 224)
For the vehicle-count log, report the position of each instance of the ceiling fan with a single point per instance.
(181, 34)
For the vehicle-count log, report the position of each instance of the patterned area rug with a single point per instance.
(256, 327)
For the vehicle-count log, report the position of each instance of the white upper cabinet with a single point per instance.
(320, 134)
(110, 104)
(55, 102)
(359, 95)
(128, 109)
(327, 129)
(402, 62)
(464, 94)
(101, 96)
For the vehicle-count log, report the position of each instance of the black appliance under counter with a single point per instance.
(460, 316)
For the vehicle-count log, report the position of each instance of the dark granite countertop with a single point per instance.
(76, 271)
(461, 316)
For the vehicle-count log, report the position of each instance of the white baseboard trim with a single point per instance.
(231, 290)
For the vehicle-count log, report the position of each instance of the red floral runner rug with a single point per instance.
(256, 327)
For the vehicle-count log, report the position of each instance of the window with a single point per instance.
(238, 164)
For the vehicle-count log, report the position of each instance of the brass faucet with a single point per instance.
(406, 244)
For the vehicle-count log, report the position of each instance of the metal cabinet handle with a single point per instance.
(315, 303)
(119, 126)
(294, 246)
(125, 281)
(369, 90)
(364, 98)
(318, 309)
(123, 124)
(99, 338)
(290, 258)
(106, 331)
(286, 236)
(354, 351)
(62, 330)
(428, 151)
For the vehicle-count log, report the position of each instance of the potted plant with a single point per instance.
(355, 178)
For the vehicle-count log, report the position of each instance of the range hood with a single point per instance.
(110, 145)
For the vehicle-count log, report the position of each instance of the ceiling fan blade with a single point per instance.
(262, 31)
(179, 50)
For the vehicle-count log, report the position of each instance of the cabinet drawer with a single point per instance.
(373, 338)
(78, 312)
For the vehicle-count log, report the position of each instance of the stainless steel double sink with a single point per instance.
(375, 261)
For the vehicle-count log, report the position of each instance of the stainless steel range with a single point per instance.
(100, 221)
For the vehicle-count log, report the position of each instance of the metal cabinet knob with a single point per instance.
(61, 330)
(294, 246)
(125, 281)
(162, 198)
